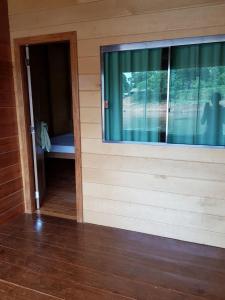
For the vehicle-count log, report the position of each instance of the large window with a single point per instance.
(169, 94)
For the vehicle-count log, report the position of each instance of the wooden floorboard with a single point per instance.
(52, 257)
(9, 291)
(60, 197)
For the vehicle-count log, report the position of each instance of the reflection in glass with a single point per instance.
(144, 105)
(136, 91)
(197, 89)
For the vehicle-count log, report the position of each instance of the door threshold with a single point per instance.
(55, 214)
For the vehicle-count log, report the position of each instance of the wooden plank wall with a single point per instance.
(177, 192)
(11, 197)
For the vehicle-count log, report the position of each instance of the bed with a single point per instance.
(62, 146)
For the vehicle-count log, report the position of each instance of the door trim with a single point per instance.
(23, 116)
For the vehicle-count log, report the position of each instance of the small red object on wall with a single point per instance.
(106, 104)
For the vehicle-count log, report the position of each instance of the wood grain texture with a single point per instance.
(12, 212)
(60, 198)
(9, 158)
(91, 47)
(179, 202)
(120, 178)
(185, 153)
(156, 228)
(12, 291)
(9, 144)
(89, 82)
(91, 130)
(60, 155)
(94, 11)
(147, 23)
(89, 65)
(155, 214)
(90, 115)
(155, 182)
(127, 7)
(61, 259)
(90, 98)
(195, 170)
(10, 173)
(11, 199)
(11, 187)
(8, 122)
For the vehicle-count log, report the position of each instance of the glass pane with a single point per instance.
(144, 106)
(197, 87)
(141, 76)
(184, 88)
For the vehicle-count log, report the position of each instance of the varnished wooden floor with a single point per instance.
(51, 258)
(60, 198)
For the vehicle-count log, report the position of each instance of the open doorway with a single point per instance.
(51, 118)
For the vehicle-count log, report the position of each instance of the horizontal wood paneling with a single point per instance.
(186, 186)
(154, 22)
(89, 65)
(8, 122)
(75, 11)
(6, 85)
(90, 99)
(5, 51)
(9, 158)
(179, 202)
(8, 188)
(172, 152)
(123, 10)
(155, 214)
(91, 130)
(4, 98)
(91, 47)
(12, 212)
(90, 115)
(180, 232)
(6, 69)
(11, 196)
(10, 173)
(161, 167)
(11, 201)
(9, 144)
(27, 6)
(89, 82)
(173, 191)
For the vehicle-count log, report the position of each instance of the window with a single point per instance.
(171, 94)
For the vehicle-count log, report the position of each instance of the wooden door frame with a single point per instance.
(23, 115)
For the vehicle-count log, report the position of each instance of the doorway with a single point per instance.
(49, 124)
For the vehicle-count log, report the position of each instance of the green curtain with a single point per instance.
(197, 87)
(135, 90)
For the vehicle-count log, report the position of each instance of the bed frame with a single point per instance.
(62, 147)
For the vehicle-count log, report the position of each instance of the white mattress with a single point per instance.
(63, 143)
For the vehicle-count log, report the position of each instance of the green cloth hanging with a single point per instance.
(45, 140)
(135, 90)
(197, 88)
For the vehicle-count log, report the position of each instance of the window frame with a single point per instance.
(168, 43)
